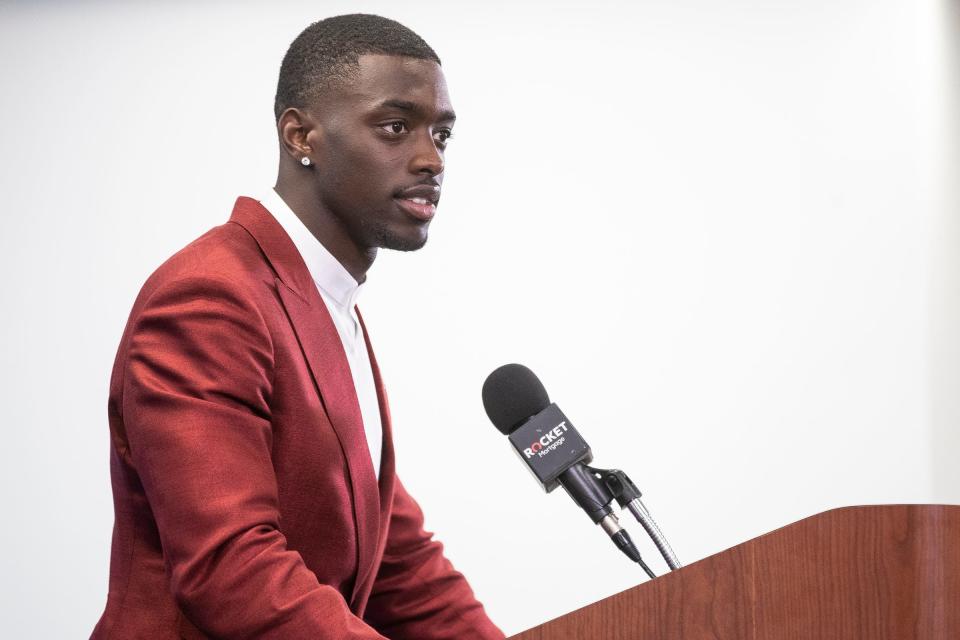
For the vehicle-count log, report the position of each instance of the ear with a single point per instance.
(298, 132)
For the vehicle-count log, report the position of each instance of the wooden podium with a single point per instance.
(857, 573)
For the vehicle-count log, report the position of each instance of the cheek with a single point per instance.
(367, 173)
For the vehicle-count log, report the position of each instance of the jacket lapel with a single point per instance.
(329, 367)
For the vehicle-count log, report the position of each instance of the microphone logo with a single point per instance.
(547, 442)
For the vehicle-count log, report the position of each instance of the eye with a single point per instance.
(442, 135)
(396, 127)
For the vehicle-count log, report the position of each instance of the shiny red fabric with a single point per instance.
(246, 504)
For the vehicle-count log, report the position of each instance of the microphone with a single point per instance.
(552, 449)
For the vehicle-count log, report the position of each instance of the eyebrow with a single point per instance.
(413, 107)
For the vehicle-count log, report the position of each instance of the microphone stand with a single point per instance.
(628, 496)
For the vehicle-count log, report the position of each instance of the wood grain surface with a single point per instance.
(858, 573)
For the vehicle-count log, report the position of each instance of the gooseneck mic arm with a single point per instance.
(643, 516)
(627, 494)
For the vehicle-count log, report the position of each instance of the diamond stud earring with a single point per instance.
(305, 161)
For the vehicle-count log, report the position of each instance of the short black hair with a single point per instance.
(327, 51)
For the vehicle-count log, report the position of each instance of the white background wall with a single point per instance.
(723, 233)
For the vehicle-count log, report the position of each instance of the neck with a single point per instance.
(326, 228)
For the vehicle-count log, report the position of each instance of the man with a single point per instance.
(252, 459)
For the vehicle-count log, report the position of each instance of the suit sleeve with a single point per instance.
(417, 593)
(196, 408)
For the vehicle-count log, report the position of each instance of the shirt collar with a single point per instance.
(329, 275)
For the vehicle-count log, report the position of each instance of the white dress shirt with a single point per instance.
(339, 292)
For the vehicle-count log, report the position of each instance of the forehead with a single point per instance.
(382, 77)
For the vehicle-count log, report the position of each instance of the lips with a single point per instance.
(420, 208)
(420, 201)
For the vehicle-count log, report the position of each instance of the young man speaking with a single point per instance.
(252, 460)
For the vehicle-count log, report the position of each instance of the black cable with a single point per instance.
(622, 539)
(646, 568)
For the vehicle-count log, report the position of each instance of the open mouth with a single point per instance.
(420, 208)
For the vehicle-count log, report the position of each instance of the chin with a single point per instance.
(406, 244)
(411, 241)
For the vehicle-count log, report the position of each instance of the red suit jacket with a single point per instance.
(246, 504)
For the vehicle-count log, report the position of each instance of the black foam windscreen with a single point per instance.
(511, 395)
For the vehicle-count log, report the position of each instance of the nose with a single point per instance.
(428, 157)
